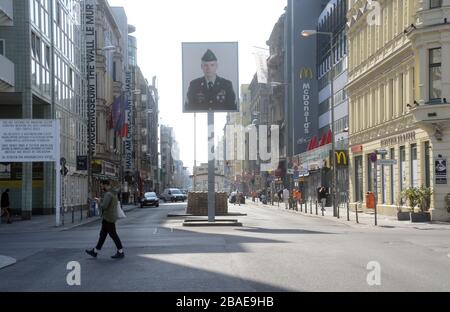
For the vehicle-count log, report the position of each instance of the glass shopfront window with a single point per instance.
(414, 166)
(393, 188)
(359, 192)
(403, 184)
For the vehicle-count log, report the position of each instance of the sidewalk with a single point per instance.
(365, 219)
(48, 222)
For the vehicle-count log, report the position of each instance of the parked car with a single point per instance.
(173, 195)
(150, 199)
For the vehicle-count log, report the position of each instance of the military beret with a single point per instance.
(209, 56)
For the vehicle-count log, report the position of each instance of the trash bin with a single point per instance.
(370, 200)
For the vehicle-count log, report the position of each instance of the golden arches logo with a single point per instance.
(306, 73)
(341, 159)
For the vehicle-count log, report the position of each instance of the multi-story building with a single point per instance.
(235, 168)
(167, 159)
(301, 100)
(399, 87)
(315, 164)
(276, 76)
(42, 77)
(109, 86)
(153, 133)
(145, 137)
(260, 99)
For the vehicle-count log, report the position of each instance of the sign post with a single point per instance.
(211, 170)
(32, 140)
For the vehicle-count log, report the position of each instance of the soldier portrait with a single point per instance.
(209, 90)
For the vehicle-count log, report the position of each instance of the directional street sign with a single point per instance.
(386, 162)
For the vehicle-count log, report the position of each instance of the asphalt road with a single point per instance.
(274, 251)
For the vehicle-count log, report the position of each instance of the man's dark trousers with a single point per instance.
(108, 228)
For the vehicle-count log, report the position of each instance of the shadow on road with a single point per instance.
(282, 231)
(141, 270)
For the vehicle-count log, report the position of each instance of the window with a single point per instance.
(359, 194)
(435, 4)
(383, 182)
(427, 164)
(435, 75)
(414, 169)
(402, 168)
(393, 188)
(114, 71)
(2, 47)
(370, 175)
(58, 14)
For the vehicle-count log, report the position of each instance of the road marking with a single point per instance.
(6, 261)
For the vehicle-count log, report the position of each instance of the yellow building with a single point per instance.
(399, 86)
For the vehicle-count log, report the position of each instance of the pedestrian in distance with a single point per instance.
(109, 212)
(5, 204)
(286, 195)
(323, 196)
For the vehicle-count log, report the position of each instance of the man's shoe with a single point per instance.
(92, 253)
(118, 255)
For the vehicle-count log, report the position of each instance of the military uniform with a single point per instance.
(203, 95)
(218, 97)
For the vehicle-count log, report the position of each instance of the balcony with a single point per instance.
(433, 118)
(431, 113)
(6, 74)
(6, 13)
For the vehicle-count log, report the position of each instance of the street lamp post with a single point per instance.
(308, 33)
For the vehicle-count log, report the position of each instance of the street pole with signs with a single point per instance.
(308, 33)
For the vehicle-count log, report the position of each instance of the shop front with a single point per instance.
(420, 161)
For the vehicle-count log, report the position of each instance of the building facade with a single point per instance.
(42, 77)
(110, 85)
(167, 160)
(399, 85)
(315, 164)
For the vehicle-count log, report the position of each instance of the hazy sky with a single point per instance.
(161, 28)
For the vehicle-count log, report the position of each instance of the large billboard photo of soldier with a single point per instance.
(210, 77)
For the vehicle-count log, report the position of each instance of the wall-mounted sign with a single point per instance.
(128, 142)
(399, 139)
(341, 158)
(29, 140)
(441, 170)
(91, 46)
(357, 149)
(82, 163)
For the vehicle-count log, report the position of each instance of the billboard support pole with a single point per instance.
(211, 169)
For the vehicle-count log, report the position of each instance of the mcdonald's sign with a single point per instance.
(306, 73)
(341, 158)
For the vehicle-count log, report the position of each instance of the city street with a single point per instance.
(275, 250)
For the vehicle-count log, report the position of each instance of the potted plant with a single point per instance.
(402, 215)
(416, 197)
(424, 199)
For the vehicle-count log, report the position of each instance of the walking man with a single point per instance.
(5, 206)
(323, 196)
(108, 208)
